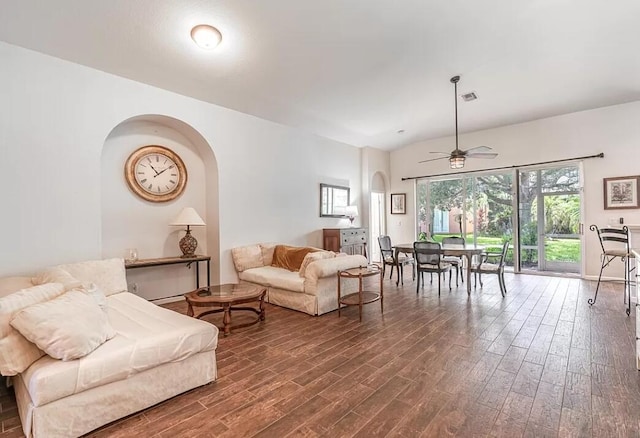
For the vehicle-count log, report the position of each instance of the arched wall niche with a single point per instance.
(378, 183)
(131, 222)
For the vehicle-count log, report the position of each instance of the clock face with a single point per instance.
(156, 173)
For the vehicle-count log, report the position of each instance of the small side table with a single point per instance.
(362, 296)
(227, 296)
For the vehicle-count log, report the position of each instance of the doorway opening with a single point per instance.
(378, 225)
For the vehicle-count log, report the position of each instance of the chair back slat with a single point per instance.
(616, 235)
(386, 250)
(453, 240)
(427, 253)
(503, 256)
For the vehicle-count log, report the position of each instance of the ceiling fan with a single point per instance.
(458, 156)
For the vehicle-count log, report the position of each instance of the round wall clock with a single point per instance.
(155, 173)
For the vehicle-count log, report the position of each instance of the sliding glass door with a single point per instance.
(482, 209)
(478, 208)
(549, 219)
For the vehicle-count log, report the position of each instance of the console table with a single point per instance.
(164, 261)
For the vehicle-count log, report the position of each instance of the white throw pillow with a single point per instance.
(312, 257)
(57, 275)
(16, 352)
(109, 274)
(247, 257)
(9, 285)
(68, 327)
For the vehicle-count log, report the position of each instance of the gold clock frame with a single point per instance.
(137, 155)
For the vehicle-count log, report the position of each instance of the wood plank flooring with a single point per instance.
(539, 362)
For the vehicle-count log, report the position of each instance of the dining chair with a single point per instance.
(428, 257)
(455, 261)
(615, 244)
(388, 258)
(484, 266)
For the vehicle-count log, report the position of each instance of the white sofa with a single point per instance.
(155, 355)
(313, 291)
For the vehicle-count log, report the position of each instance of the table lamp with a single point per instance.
(351, 212)
(189, 217)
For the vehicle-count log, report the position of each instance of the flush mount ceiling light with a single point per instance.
(206, 37)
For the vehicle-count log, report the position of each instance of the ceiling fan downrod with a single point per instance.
(454, 81)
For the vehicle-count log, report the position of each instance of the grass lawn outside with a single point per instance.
(556, 250)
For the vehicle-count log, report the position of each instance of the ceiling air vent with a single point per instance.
(468, 97)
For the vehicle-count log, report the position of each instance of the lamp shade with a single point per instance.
(351, 211)
(188, 216)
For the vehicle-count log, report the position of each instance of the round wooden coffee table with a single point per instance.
(227, 296)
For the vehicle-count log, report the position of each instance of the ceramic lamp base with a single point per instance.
(188, 245)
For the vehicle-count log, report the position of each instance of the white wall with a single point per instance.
(131, 222)
(613, 130)
(54, 119)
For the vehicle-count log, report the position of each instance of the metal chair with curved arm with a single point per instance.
(484, 267)
(388, 258)
(614, 243)
(428, 257)
(455, 261)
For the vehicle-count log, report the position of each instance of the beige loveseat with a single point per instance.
(311, 289)
(154, 353)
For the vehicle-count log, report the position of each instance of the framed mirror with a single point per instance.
(333, 200)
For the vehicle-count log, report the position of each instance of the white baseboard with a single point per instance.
(168, 300)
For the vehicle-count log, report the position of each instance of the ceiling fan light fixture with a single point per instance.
(206, 37)
(457, 156)
(456, 162)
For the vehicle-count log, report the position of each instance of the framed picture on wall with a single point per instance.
(621, 192)
(398, 203)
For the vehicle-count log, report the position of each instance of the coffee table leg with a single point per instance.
(189, 309)
(226, 320)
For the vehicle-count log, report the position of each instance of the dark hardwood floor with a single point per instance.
(539, 362)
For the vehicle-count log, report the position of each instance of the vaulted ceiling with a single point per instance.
(357, 71)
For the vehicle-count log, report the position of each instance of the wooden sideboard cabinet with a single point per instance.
(348, 240)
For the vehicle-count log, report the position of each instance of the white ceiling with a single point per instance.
(356, 71)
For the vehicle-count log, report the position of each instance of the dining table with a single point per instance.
(467, 251)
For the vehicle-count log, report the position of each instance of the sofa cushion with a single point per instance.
(16, 352)
(247, 257)
(312, 257)
(274, 277)
(146, 336)
(9, 285)
(57, 275)
(267, 253)
(109, 275)
(290, 257)
(67, 327)
(325, 268)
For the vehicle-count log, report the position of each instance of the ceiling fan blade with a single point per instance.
(479, 149)
(433, 159)
(441, 153)
(482, 155)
